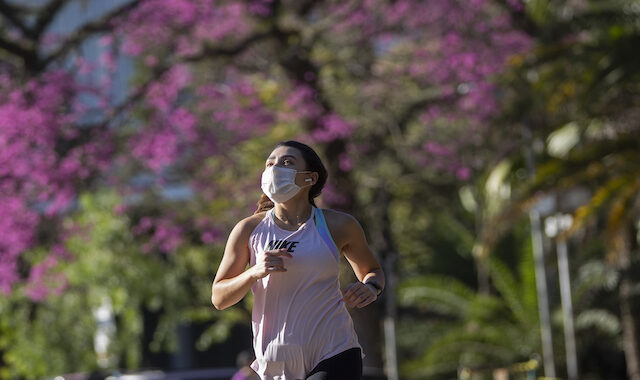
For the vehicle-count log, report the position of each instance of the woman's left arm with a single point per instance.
(352, 243)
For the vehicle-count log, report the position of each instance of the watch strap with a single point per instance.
(376, 286)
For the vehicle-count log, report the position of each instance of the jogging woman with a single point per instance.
(301, 327)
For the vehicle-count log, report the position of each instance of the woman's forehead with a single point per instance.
(282, 151)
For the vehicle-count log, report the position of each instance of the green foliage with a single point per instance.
(577, 93)
(466, 329)
(444, 295)
(52, 337)
(56, 335)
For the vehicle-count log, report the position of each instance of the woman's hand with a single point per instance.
(358, 295)
(271, 262)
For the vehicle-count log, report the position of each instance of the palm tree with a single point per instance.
(579, 91)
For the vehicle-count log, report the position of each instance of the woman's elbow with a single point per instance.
(216, 301)
(218, 304)
(379, 275)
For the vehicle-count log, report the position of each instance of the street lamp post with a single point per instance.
(543, 300)
(555, 225)
(105, 330)
(391, 360)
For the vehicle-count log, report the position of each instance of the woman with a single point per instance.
(301, 327)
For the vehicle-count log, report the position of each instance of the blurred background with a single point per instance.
(490, 149)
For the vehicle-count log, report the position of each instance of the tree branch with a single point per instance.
(11, 13)
(28, 56)
(101, 25)
(428, 98)
(229, 51)
(46, 15)
(141, 90)
(210, 52)
(520, 19)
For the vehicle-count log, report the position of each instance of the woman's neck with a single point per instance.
(292, 213)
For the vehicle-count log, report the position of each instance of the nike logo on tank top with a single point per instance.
(298, 317)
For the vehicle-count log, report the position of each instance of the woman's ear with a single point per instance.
(314, 178)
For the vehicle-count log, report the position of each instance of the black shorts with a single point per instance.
(346, 365)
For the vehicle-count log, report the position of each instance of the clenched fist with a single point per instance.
(358, 295)
(272, 261)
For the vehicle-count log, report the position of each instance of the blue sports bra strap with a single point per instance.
(323, 230)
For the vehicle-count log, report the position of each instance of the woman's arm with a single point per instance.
(232, 281)
(351, 241)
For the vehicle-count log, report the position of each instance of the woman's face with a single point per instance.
(291, 158)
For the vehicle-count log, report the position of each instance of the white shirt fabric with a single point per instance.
(298, 318)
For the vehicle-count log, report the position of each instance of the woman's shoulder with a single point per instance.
(248, 224)
(339, 219)
(342, 226)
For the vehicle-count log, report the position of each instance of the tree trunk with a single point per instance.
(383, 244)
(629, 332)
(483, 275)
(627, 315)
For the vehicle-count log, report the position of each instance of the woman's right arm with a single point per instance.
(233, 280)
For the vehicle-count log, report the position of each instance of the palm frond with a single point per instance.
(592, 163)
(441, 294)
(599, 319)
(618, 217)
(510, 291)
(594, 275)
(601, 196)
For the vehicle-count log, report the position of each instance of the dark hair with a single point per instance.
(313, 164)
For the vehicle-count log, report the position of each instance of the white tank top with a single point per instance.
(298, 318)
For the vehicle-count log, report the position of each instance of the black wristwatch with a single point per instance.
(376, 286)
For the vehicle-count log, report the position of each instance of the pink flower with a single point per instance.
(463, 173)
(331, 196)
(44, 281)
(437, 149)
(346, 163)
(302, 103)
(332, 127)
(150, 60)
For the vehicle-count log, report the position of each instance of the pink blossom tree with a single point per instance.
(426, 69)
(394, 93)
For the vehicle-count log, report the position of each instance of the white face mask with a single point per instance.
(279, 184)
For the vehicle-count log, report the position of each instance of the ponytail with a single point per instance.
(264, 204)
